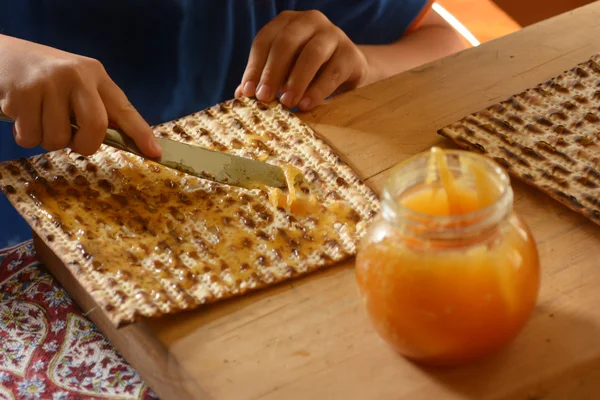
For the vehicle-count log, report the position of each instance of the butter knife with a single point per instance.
(198, 161)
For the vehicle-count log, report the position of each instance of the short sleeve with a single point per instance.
(370, 21)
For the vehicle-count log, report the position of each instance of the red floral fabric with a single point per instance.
(48, 349)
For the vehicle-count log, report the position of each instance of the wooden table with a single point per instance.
(310, 339)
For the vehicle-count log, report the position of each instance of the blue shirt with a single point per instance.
(175, 57)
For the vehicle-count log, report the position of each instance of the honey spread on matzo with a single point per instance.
(548, 136)
(146, 240)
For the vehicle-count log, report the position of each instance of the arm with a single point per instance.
(432, 39)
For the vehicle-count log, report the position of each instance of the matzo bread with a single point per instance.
(145, 240)
(549, 136)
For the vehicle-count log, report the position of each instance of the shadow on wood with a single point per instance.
(551, 338)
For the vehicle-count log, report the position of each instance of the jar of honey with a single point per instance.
(448, 272)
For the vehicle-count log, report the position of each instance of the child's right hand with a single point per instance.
(41, 87)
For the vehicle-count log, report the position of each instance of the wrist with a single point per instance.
(373, 71)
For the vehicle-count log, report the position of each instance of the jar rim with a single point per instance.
(466, 223)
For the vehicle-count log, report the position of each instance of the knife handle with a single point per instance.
(117, 139)
(114, 137)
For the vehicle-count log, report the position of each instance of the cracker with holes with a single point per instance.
(145, 240)
(549, 136)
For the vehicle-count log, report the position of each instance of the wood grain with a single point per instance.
(310, 338)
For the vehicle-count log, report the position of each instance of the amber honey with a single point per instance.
(449, 273)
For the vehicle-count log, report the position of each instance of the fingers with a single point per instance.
(305, 58)
(334, 74)
(121, 112)
(260, 52)
(28, 120)
(56, 124)
(92, 120)
(238, 91)
(284, 50)
(41, 88)
(315, 54)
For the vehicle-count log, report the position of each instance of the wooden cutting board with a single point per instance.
(310, 338)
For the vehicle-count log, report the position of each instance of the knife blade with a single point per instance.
(199, 161)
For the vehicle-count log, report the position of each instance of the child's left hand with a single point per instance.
(305, 58)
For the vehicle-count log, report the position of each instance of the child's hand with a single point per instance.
(41, 87)
(303, 56)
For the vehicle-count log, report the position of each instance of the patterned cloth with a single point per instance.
(48, 349)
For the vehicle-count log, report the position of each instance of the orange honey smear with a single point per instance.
(450, 302)
(291, 199)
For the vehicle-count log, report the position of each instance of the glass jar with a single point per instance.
(448, 271)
